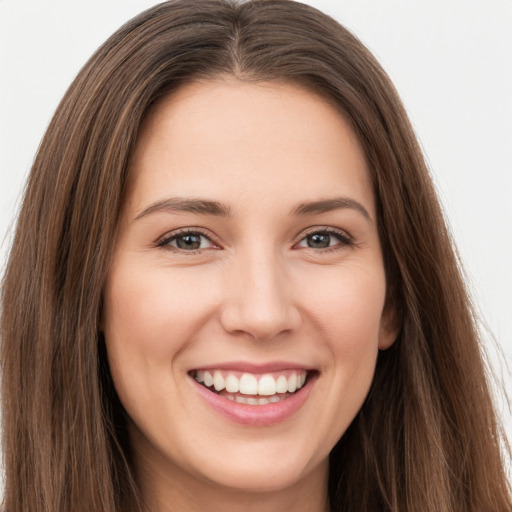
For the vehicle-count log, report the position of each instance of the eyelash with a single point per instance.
(165, 242)
(344, 239)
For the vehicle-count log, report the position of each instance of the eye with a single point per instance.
(187, 240)
(325, 239)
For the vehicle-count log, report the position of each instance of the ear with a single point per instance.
(390, 325)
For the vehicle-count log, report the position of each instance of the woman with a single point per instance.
(232, 286)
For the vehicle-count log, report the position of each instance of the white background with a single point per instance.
(451, 61)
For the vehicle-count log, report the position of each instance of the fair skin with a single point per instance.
(248, 245)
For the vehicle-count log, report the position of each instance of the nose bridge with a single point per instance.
(259, 302)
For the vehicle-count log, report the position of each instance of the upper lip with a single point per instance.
(248, 367)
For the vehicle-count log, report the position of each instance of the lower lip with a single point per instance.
(257, 415)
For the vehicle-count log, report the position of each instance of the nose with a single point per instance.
(259, 300)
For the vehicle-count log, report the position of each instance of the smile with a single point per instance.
(249, 388)
(254, 395)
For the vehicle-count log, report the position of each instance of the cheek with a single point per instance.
(149, 318)
(152, 311)
(346, 306)
(347, 310)
(355, 320)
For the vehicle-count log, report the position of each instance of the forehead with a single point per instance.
(237, 139)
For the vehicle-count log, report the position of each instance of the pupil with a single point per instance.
(189, 242)
(319, 241)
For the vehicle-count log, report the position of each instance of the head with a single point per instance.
(85, 183)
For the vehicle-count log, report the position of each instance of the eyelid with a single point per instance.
(344, 236)
(163, 241)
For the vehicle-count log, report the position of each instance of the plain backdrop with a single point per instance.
(451, 61)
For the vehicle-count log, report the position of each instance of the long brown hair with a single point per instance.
(426, 437)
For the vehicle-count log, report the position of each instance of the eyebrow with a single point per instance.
(178, 204)
(327, 205)
(215, 208)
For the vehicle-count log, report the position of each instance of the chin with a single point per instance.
(262, 478)
(259, 467)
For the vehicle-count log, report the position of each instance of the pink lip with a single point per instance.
(256, 415)
(254, 368)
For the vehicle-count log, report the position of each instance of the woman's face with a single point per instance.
(247, 260)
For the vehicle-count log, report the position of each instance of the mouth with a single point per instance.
(253, 389)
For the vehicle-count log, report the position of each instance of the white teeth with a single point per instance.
(248, 384)
(292, 383)
(282, 384)
(267, 385)
(208, 379)
(254, 401)
(218, 381)
(232, 384)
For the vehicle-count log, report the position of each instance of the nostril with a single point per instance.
(261, 306)
(259, 326)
